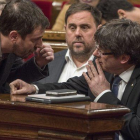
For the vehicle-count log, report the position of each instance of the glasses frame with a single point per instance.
(100, 53)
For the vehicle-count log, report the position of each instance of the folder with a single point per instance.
(42, 98)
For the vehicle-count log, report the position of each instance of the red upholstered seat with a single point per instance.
(46, 7)
(137, 5)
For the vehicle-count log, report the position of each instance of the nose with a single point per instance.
(95, 53)
(78, 32)
(39, 43)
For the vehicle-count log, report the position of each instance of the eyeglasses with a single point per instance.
(101, 53)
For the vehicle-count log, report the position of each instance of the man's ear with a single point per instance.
(121, 13)
(65, 27)
(99, 26)
(13, 35)
(125, 58)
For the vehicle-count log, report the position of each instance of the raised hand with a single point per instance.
(44, 55)
(96, 79)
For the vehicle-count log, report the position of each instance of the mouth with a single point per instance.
(100, 62)
(78, 43)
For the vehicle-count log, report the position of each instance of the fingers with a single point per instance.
(19, 91)
(46, 52)
(44, 55)
(90, 74)
(86, 78)
(20, 98)
(12, 89)
(93, 69)
(21, 87)
(100, 71)
(17, 87)
(14, 86)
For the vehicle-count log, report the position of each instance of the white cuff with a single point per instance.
(101, 94)
(37, 89)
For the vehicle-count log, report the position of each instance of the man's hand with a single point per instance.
(21, 87)
(44, 55)
(96, 79)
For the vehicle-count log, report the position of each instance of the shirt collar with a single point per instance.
(69, 58)
(125, 76)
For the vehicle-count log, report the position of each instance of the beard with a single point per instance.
(20, 52)
(80, 50)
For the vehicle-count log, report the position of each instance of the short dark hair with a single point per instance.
(2, 4)
(23, 16)
(120, 36)
(109, 8)
(79, 7)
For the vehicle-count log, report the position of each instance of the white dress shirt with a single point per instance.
(71, 70)
(125, 76)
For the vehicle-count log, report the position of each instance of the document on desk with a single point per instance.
(42, 98)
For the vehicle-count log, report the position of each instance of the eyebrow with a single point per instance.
(84, 24)
(37, 38)
(72, 24)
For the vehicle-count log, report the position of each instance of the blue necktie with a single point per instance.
(115, 87)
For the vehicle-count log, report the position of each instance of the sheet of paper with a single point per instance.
(43, 96)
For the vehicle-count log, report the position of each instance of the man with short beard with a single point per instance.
(81, 22)
(21, 32)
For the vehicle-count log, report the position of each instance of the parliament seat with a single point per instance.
(50, 8)
(45, 6)
(135, 2)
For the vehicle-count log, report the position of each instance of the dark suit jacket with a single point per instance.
(55, 68)
(13, 68)
(130, 99)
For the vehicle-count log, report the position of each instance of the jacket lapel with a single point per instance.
(56, 69)
(6, 68)
(131, 85)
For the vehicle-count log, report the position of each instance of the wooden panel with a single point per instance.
(57, 46)
(134, 1)
(21, 120)
(56, 39)
(54, 35)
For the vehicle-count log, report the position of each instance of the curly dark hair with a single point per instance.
(120, 36)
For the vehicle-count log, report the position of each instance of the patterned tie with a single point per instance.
(115, 85)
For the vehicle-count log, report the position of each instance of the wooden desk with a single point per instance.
(71, 121)
(56, 39)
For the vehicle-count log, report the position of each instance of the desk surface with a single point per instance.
(22, 120)
(86, 109)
